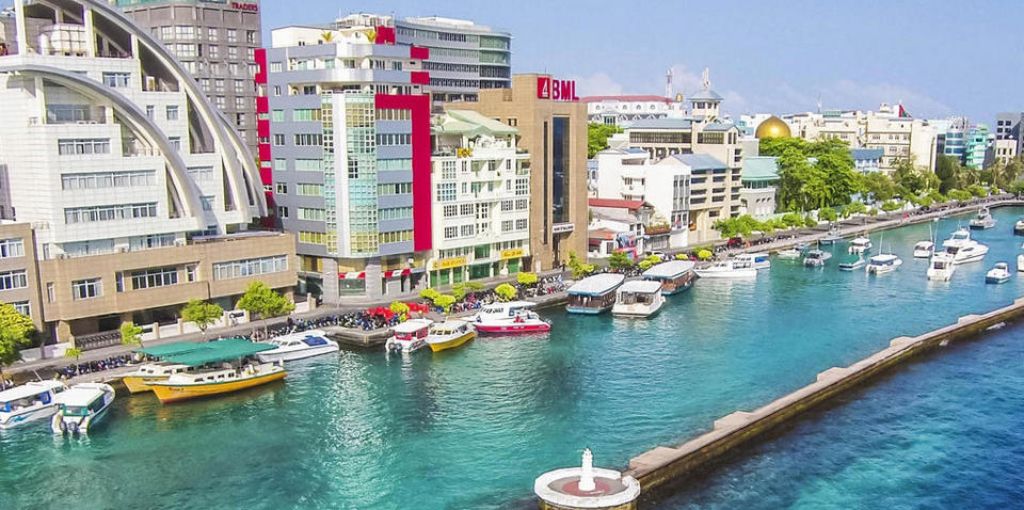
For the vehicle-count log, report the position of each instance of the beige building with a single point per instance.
(19, 277)
(1005, 149)
(552, 126)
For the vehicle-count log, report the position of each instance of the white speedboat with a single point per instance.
(1018, 228)
(639, 298)
(81, 407)
(860, 245)
(1020, 263)
(756, 260)
(510, 318)
(941, 267)
(1000, 273)
(883, 263)
(853, 265)
(816, 258)
(983, 220)
(832, 237)
(789, 254)
(29, 402)
(924, 249)
(734, 268)
(409, 336)
(297, 346)
(963, 249)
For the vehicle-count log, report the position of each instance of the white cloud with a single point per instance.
(597, 84)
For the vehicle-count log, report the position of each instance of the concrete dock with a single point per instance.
(665, 465)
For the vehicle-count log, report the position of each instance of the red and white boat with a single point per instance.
(510, 318)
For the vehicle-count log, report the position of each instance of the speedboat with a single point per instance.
(139, 380)
(853, 265)
(941, 267)
(1018, 228)
(983, 220)
(756, 260)
(963, 249)
(789, 254)
(449, 334)
(735, 268)
(860, 245)
(1000, 273)
(81, 407)
(639, 298)
(816, 258)
(924, 249)
(29, 402)
(507, 318)
(409, 336)
(832, 237)
(883, 263)
(224, 366)
(297, 346)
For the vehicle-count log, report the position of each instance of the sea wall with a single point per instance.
(664, 465)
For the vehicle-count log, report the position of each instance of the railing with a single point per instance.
(98, 340)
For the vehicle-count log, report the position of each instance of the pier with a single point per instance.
(663, 466)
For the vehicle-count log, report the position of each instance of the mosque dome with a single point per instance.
(772, 127)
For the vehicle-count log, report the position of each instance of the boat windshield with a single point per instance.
(314, 341)
(961, 236)
(75, 410)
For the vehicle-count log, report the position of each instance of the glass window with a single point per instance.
(13, 280)
(12, 248)
(150, 278)
(172, 112)
(86, 289)
(250, 267)
(117, 80)
(82, 146)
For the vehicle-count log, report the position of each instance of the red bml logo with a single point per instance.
(556, 90)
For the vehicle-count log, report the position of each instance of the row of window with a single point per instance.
(301, 139)
(310, 214)
(312, 237)
(78, 146)
(394, 139)
(301, 165)
(12, 248)
(10, 280)
(518, 204)
(105, 180)
(393, 114)
(151, 278)
(395, 237)
(399, 188)
(250, 267)
(109, 213)
(395, 213)
(191, 32)
(509, 226)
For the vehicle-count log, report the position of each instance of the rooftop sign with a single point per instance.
(556, 90)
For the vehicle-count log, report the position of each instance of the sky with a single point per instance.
(939, 58)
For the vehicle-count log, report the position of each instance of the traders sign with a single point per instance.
(556, 90)
(245, 6)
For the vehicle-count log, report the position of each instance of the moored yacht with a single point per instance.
(81, 407)
(297, 346)
(594, 294)
(29, 402)
(675, 276)
(638, 298)
(1018, 227)
(733, 268)
(756, 260)
(853, 265)
(924, 249)
(1020, 263)
(963, 249)
(409, 336)
(816, 258)
(941, 267)
(859, 245)
(510, 318)
(833, 236)
(1000, 273)
(883, 263)
(789, 253)
(223, 366)
(983, 220)
(449, 334)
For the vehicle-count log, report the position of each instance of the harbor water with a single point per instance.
(472, 427)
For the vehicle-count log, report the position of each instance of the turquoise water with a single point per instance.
(942, 433)
(472, 428)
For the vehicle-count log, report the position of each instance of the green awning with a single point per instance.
(221, 350)
(171, 349)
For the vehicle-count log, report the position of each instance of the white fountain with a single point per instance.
(586, 487)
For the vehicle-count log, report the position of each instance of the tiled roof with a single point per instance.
(699, 161)
(760, 168)
(615, 203)
(661, 124)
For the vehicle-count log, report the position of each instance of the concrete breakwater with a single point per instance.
(663, 466)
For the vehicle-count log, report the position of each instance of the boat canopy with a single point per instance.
(28, 390)
(668, 270)
(596, 285)
(171, 349)
(79, 396)
(640, 287)
(221, 350)
(412, 326)
(448, 326)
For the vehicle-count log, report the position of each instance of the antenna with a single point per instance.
(668, 83)
(819, 102)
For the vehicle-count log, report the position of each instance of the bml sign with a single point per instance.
(556, 90)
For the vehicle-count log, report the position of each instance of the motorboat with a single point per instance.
(733, 268)
(859, 245)
(983, 220)
(853, 265)
(789, 254)
(29, 402)
(757, 261)
(449, 334)
(941, 267)
(1018, 227)
(816, 258)
(1020, 263)
(224, 366)
(883, 263)
(1000, 273)
(832, 237)
(594, 294)
(639, 298)
(674, 276)
(139, 380)
(924, 249)
(510, 318)
(963, 248)
(296, 346)
(81, 407)
(409, 336)
(958, 238)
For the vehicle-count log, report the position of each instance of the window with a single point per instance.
(250, 36)
(140, 243)
(310, 214)
(308, 139)
(175, 142)
(306, 115)
(104, 180)
(312, 237)
(200, 173)
(79, 146)
(395, 213)
(240, 103)
(448, 170)
(13, 280)
(522, 187)
(172, 112)
(393, 114)
(446, 192)
(211, 33)
(402, 188)
(278, 139)
(207, 202)
(307, 165)
(522, 204)
(467, 230)
(150, 111)
(451, 232)
(150, 278)
(506, 226)
(233, 52)
(109, 213)
(394, 139)
(521, 224)
(506, 205)
(282, 212)
(11, 248)
(186, 32)
(23, 308)
(250, 267)
(276, 67)
(117, 80)
(466, 210)
(277, 116)
(86, 289)
(232, 35)
(395, 237)
(309, 189)
(450, 211)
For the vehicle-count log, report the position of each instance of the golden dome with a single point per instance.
(772, 127)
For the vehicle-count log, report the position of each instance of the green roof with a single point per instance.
(160, 351)
(760, 168)
(221, 350)
(470, 123)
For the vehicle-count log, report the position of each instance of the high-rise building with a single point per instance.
(552, 126)
(215, 40)
(137, 192)
(978, 147)
(464, 57)
(348, 142)
(1009, 137)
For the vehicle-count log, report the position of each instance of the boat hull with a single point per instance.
(737, 273)
(168, 393)
(997, 279)
(396, 346)
(678, 289)
(271, 357)
(26, 416)
(512, 328)
(583, 310)
(922, 254)
(1018, 230)
(452, 343)
(637, 313)
(141, 384)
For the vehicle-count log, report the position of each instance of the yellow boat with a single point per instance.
(449, 334)
(139, 380)
(208, 383)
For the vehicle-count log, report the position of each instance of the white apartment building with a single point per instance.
(623, 110)
(481, 199)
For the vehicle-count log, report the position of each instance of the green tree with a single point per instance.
(579, 268)
(399, 308)
(878, 186)
(827, 214)
(792, 220)
(202, 313)
(260, 300)
(619, 261)
(16, 333)
(810, 222)
(506, 292)
(131, 334)
(948, 170)
(704, 254)
(977, 190)
(597, 137)
(909, 177)
(445, 301)
(459, 291)
(855, 208)
(429, 294)
(892, 205)
(73, 353)
(649, 262)
(527, 278)
(959, 195)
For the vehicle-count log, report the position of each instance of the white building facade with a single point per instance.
(632, 175)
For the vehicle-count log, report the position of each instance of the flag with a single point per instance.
(903, 112)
